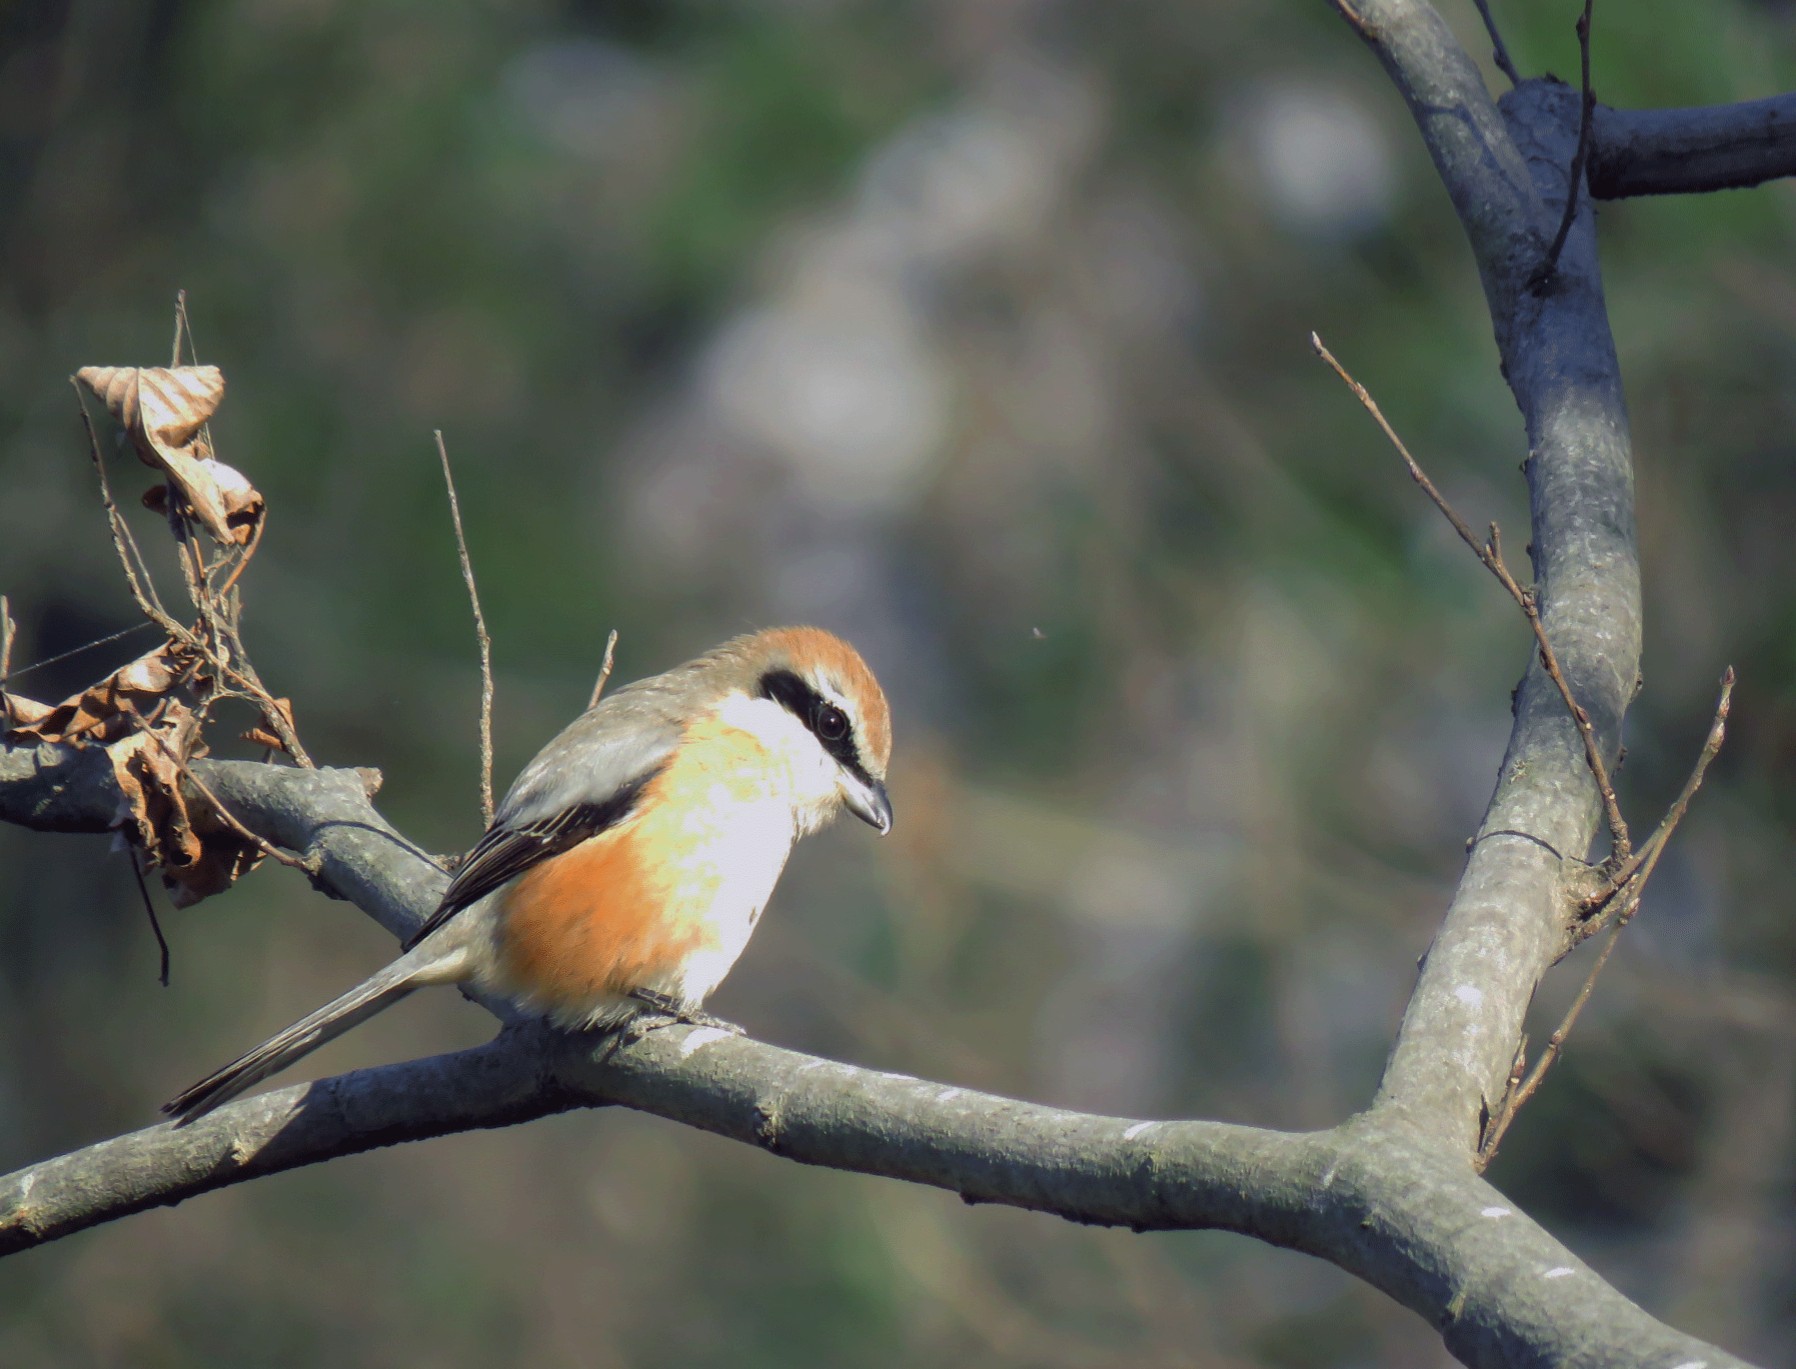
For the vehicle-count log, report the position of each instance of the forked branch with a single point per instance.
(1621, 894)
(1626, 871)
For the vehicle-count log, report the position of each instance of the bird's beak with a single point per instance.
(867, 800)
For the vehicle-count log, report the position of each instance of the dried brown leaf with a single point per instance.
(163, 410)
(105, 711)
(155, 811)
(197, 854)
(19, 713)
(162, 405)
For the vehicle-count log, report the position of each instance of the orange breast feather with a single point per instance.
(686, 873)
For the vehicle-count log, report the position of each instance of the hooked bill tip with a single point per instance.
(868, 802)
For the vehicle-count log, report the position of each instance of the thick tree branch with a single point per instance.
(493, 1085)
(1506, 172)
(1681, 151)
(1484, 175)
(1376, 1196)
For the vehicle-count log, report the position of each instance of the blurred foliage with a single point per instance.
(976, 332)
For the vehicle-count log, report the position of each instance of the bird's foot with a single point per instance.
(664, 1010)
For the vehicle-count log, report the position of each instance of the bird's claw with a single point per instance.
(661, 1010)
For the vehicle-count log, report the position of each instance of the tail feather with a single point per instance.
(372, 995)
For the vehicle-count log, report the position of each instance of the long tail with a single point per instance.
(411, 971)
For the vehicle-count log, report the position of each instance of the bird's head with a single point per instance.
(811, 700)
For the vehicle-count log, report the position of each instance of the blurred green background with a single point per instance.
(977, 333)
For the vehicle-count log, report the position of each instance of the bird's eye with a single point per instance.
(832, 723)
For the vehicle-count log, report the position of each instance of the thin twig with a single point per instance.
(1490, 553)
(149, 907)
(1638, 868)
(249, 549)
(244, 675)
(199, 589)
(1500, 55)
(1630, 882)
(224, 814)
(60, 656)
(7, 631)
(144, 590)
(193, 350)
(604, 669)
(1515, 1101)
(1586, 115)
(1497, 1122)
(486, 643)
(180, 327)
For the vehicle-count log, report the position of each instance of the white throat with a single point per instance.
(806, 771)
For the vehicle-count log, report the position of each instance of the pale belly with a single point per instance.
(662, 902)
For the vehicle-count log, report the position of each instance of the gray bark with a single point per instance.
(1683, 151)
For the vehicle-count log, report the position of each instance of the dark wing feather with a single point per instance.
(587, 779)
(505, 852)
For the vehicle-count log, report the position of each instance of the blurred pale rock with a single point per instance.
(841, 385)
(1324, 163)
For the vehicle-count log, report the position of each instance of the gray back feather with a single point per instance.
(625, 736)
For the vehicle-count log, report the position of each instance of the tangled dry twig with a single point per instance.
(150, 714)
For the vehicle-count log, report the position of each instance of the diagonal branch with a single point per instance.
(1627, 884)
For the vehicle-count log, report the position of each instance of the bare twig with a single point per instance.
(1638, 868)
(7, 631)
(1630, 881)
(604, 669)
(129, 554)
(245, 676)
(486, 642)
(1490, 553)
(205, 599)
(1518, 1097)
(1586, 114)
(249, 549)
(181, 328)
(149, 908)
(1488, 1133)
(1500, 53)
(60, 656)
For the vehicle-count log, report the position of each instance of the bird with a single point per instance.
(631, 859)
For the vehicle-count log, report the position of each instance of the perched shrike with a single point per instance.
(632, 858)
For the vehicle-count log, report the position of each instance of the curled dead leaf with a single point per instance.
(197, 853)
(226, 492)
(103, 712)
(160, 405)
(153, 812)
(163, 410)
(17, 713)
